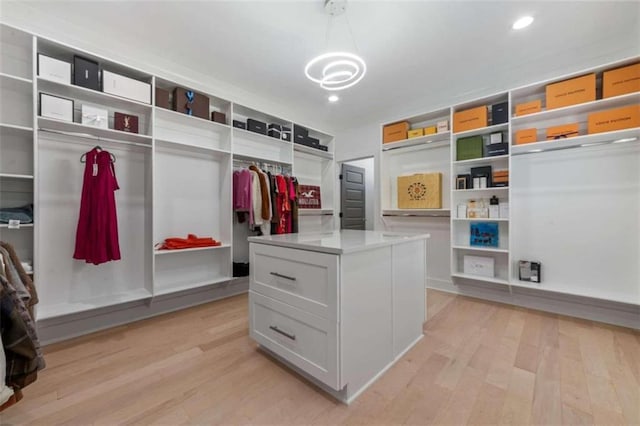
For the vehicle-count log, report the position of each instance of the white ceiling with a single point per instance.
(420, 54)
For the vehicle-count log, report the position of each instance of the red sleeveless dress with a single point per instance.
(97, 232)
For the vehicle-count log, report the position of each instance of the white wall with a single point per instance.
(368, 164)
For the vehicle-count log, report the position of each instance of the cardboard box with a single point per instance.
(528, 108)
(571, 92)
(621, 81)
(56, 107)
(526, 136)
(474, 118)
(191, 103)
(614, 119)
(430, 130)
(420, 191)
(163, 98)
(95, 117)
(562, 132)
(126, 87)
(415, 133)
(219, 117)
(54, 69)
(479, 265)
(442, 126)
(395, 132)
(469, 148)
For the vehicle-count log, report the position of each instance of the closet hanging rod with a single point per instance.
(98, 138)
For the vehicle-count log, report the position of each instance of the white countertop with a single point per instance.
(338, 242)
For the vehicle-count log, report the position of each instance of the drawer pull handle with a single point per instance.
(284, 333)
(275, 274)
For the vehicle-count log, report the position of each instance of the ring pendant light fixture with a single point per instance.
(336, 70)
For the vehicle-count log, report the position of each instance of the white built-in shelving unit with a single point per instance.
(573, 203)
(175, 178)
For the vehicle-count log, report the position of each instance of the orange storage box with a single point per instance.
(563, 131)
(621, 81)
(474, 118)
(528, 108)
(614, 119)
(395, 132)
(430, 130)
(526, 136)
(571, 92)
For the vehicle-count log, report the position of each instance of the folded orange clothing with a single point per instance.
(192, 241)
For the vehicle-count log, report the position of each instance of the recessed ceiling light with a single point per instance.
(523, 22)
(334, 98)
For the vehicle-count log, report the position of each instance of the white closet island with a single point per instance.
(339, 307)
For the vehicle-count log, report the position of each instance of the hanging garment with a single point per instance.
(16, 275)
(256, 197)
(265, 228)
(242, 202)
(6, 392)
(294, 206)
(97, 232)
(284, 208)
(264, 194)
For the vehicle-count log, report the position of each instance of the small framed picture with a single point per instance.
(461, 183)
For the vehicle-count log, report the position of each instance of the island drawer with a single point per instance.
(305, 340)
(305, 279)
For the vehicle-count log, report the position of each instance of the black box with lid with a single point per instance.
(86, 73)
(256, 126)
(499, 113)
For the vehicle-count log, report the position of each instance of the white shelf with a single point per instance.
(487, 249)
(480, 278)
(23, 225)
(45, 312)
(81, 130)
(586, 140)
(426, 140)
(165, 252)
(189, 286)
(15, 176)
(90, 96)
(315, 212)
(544, 286)
(417, 212)
(10, 79)
(492, 189)
(260, 159)
(483, 130)
(258, 137)
(312, 151)
(6, 128)
(584, 108)
(476, 219)
(171, 115)
(483, 160)
(194, 146)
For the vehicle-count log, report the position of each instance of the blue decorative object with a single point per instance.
(190, 98)
(484, 234)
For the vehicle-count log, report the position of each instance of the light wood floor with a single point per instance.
(479, 363)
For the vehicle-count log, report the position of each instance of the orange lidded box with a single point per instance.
(614, 119)
(571, 92)
(621, 81)
(414, 133)
(474, 118)
(395, 132)
(528, 108)
(526, 136)
(562, 132)
(430, 130)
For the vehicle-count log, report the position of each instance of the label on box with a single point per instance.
(528, 107)
(614, 119)
(309, 197)
(13, 224)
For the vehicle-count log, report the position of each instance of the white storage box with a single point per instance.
(126, 87)
(94, 116)
(479, 265)
(56, 107)
(54, 69)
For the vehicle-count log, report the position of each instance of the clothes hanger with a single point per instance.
(83, 157)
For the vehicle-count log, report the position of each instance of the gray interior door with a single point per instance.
(352, 202)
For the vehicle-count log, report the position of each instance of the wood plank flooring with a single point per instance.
(479, 363)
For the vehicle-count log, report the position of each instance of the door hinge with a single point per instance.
(340, 176)
(340, 214)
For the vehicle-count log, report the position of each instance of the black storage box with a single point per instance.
(274, 130)
(300, 134)
(86, 73)
(240, 269)
(497, 149)
(240, 124)
(256, 126)
(313, 141)
(499, 113)
(286, 134)
(484, 171)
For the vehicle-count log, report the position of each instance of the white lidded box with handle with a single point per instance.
(94, 116)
